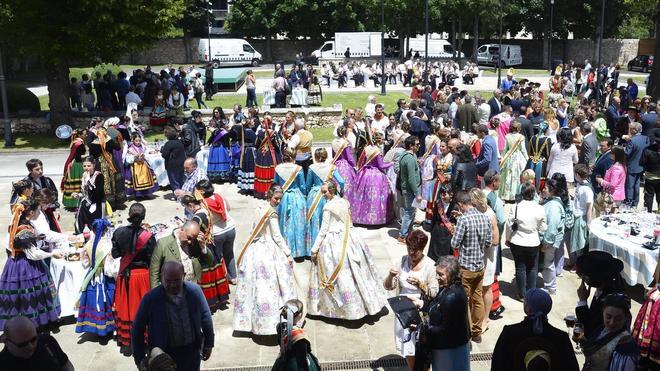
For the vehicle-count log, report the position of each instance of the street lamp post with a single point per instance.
(382, 47)
(210, 23)
(499, 54)
(9, 140)
(552, 13)
(600, 48)
(426, 39)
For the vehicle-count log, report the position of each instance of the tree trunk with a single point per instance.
(57, 77)
(269, 50)
(546, 40)
(653, 88)
(186, 45)
(460, 39)
(475, 44)
(453, 38)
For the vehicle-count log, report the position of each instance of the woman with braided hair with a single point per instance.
(343, 282)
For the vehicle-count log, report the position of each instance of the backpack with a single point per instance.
(569, 217)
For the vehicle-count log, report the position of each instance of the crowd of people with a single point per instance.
(521, 171)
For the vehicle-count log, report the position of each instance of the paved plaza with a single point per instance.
(368, 339)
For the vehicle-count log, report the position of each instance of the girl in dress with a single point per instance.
(343, 282)
(265, 272)
(514, 160)
(134, 245)
(73, 170)
(267, 156)
(219, 167)
(318, 172)
(92, 204)
(246, 161)
(140, 178)
(214, 282)
(25, 285)
(345, 161)
(97, 291)
(158, 115)
(372, 196)
(427, 162)
(293, 208)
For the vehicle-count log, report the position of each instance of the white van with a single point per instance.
(438, 48)
(228, 52)
(488, 54)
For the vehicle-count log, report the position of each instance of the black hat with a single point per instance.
(195, 113)
(598, 265)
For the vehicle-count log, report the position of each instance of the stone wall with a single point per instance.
(535, 54)
(174, 51)
(38, 123)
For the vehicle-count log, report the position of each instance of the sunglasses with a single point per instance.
(25, 343)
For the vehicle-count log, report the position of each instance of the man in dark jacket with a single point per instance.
(636, 144)
(519, 344)
(612, 113)
(650, 161)
(495, 104)
(467, 115)
(189, 137)
(526, 127)
(177, 318)
(36, 175)
(603, 163)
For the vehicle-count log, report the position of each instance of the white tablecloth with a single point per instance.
(157, 163)
(269, 97)
(298, 97)
(67, 276)
(638, 262)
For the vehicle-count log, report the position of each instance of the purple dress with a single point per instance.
(371, 199)
(345, 164)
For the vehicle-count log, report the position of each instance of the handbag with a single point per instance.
(405, 310)
(514, 225)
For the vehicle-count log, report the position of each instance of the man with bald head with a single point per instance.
(177, 318)
(186, 246)
(301, 144)
(193, 174)
(25, 350)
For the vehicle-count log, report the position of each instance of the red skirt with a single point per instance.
(646, 330)
(128, 294)
(263, 178)
(214, 284)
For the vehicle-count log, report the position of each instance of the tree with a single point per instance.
(85, 32)
(256, 18)
(653, 87)
(194, 22)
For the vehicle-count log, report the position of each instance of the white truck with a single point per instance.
(228, 52)
(360, 44)
(438, 48)
(487, 54)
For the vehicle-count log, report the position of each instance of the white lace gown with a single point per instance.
(265, 279)
(357, 290)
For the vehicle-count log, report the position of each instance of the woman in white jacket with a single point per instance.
(343, 282)
(524, 223)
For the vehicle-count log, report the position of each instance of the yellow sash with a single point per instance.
(329, 282)
(318, 196)
(254, 234)
(513, 149)
(291, 179)
(368, 160)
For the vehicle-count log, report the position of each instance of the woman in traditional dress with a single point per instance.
(214, 282)
(134, 245)
(158, 115)
(373, 198)
(343, 282)
(293, 208)
(219, 167)
(140, 178)
(514, 160)
(345, 162)
(25, 285)
(319, 172)
(246, 161)
(539, 153)
(612, 347)
(265, 272)
(267, 156)
(441, 222)
(97, 291)
(92, 205)
(101, 147)
(73, 170)
(646, 330)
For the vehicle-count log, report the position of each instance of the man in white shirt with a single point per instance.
(483, 108)
(380, 120)
(131, 97)
(453, 107)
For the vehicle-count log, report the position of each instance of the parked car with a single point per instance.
(642, 63)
